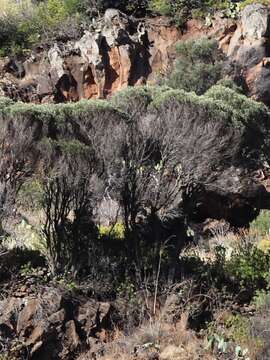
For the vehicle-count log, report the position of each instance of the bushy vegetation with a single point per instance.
(103, 193)
(200, 65)
(122, 153)
(25, 23)
(261, 224)
(183, 10)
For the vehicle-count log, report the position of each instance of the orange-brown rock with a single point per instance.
(118, 51)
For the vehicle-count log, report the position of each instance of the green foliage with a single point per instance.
(229, 83)
(179, 10)
(115, 232)
(262, 300)
(233, 10)
(261, 224)
(182, 10)
(249, 266)
(27, 270)
(126, 98)
(241, 109)
(221, 103)
(30, 195)
(127, 290)
(199, 66)
(23, 24)
(67, 283)
(162, 7)
(239, 327)
(54, 12)
(72, 147)
(234, 335)
(250, 2)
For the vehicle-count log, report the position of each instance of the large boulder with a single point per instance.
(255, 22)
(249, 48)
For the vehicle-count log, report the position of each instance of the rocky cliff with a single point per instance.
(117, 51)
(114, 53)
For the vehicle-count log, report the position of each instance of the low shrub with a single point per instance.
(261, 224)
(264, 245)
(198, 67)
(23, 24)
(249, 267)
(183, 10)
(115, 232)
(262, 299)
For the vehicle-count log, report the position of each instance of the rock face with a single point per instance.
(249, 47)
(117, 51)
(51, 324)
(114, 53)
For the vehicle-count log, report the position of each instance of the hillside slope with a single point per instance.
(118, 51)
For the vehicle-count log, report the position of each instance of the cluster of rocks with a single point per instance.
(48, 322)
(114, 52)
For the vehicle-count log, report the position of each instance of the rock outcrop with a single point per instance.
(45, 322)
(115, 52)
(249, 47)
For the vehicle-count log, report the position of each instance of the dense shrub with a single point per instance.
(182, 10)
(24, 24)
(261, 224)
(199, 66)
(249, 266)
(127, 151)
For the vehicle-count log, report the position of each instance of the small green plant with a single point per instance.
(249, 266)
(116, 232)
(127, 290)
(67, 283)
(239, 331)
(239, 327)
(241, 353)
(30, 195)
(217, 341)
(27, 269)
(262, 299)
(233, 10)
(261, 224)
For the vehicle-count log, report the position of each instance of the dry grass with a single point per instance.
(157, 340)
